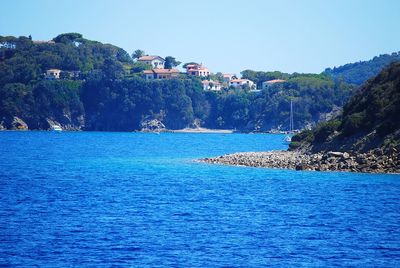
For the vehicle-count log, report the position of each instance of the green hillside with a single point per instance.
(101, 88)
(370, 119)
(359, 72)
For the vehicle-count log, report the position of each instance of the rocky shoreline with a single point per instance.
(371, 162)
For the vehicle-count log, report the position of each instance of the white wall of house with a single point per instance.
(241, 83)
(157, 63)
(217, 87)
(53, 74)
(211, 86)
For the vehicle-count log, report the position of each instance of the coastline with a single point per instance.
(184, 130)
(371, 162)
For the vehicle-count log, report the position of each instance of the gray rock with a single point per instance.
(335, 154)
(18, 124)
(152, 125)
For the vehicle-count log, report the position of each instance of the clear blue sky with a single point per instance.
(226, 36)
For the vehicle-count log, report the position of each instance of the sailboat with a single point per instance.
(288, 137)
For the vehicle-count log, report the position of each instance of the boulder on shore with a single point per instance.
(331, 161)
(18, 124)
(152, 125)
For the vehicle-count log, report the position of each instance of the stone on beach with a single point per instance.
(330, 161)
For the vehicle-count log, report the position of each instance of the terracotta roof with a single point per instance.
(196, 67)
(161, 71)
(147, 58)
(215, 83)
(240, 80)
(203, 69)
(191, 65)
(275, 81)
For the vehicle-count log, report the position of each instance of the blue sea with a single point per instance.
(101, 199)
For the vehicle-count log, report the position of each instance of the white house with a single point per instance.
(211, 85)
(158, 73)
(228, 78)
(197, 70)
(239, 83)
(53, 74)
(269, 83)
(155, 61)
(8, 45)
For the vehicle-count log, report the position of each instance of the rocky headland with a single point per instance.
(372, 162)
(365, 137)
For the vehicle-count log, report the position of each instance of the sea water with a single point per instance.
(103, 199)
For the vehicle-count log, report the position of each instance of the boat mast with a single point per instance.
(291, 117)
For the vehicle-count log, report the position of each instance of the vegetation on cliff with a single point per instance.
(359, 72)
(370, 119)
(107, 91)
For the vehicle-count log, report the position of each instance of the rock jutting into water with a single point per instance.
(373, 162)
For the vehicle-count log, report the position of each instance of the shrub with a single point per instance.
(304, 136)
(353, 123)
(324, 130)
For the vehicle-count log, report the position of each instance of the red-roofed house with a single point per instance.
(197, 70)
(211, 85)
(158, 73)
(270, 83)
(229, 77)
(154, 61)
(238, 83)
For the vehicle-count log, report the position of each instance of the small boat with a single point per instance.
(288, 138)
(56, 128)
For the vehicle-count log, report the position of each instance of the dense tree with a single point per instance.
(171, 62)
(186, 64)
(67, 38)
(260, 77)
(139, 67)
(137, 53)
(359, 72)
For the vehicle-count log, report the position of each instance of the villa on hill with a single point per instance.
(53, 74)
(240, 83)
(8, 45)
(158, 73)
(211, 85)
(269, 83)
(197, 70)
(155, 61)
(229, 77)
